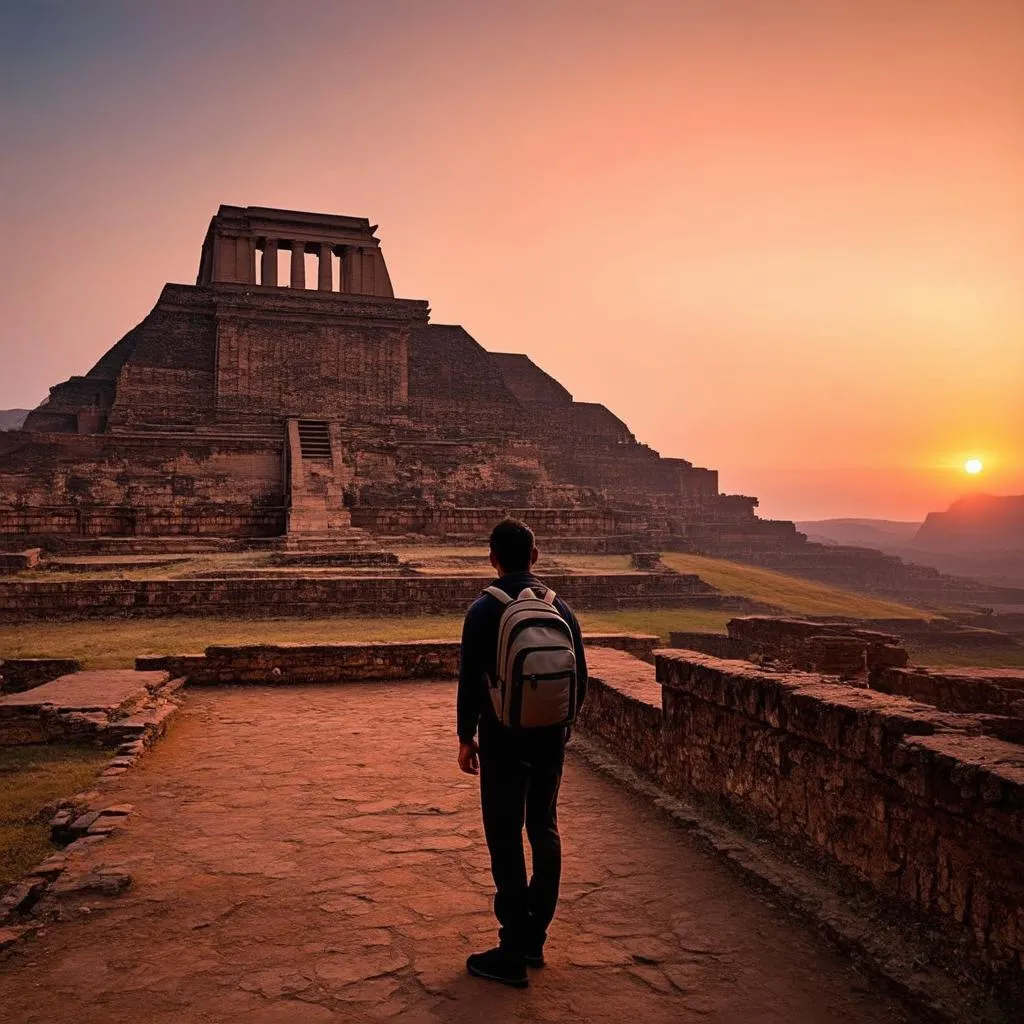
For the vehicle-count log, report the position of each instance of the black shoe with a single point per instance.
(534, 955)
(499, 964)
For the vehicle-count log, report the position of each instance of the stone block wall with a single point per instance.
(358, 660)
(907, 798)
(23, 601)
(327, 663)
(147, 484)
(967, 690)
(718, 644)
(623, 708)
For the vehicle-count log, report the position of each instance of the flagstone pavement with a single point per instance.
(313, 855)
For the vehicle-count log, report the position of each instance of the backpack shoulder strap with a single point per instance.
(549, 597)
(499, 594)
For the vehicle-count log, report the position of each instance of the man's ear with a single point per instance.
(494, 563)
(534, 554)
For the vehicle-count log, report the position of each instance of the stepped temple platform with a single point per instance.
(289, 396)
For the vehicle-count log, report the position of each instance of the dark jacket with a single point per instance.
(480, 654)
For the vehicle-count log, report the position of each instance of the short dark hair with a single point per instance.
(512, 543)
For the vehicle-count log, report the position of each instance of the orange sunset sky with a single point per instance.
(781, 238)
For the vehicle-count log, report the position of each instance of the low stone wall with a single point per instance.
(20, 674)
(623, 708)
(22, 601)
(967, 690)
(354, 661)
(718, 644)
(19, 561)
(327, 663)
(907, 798)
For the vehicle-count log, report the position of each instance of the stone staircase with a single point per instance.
(318, 522)
(315, 440)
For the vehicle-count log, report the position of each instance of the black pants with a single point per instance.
(519, 781)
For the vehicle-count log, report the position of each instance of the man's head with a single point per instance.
(513, 548)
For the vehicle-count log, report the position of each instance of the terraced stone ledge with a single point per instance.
(109, 707)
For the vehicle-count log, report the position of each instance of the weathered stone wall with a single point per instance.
(355, 661)
(141, 484)
(327, 663)
(623, 708)
(966, 690)
(905, 797)
(718, 644)
(22, 601)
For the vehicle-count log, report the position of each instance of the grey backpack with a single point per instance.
(535, 680)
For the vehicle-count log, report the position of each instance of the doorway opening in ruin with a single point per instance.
(335, 271)
(284, 266)
(312, 268)
(257, 274)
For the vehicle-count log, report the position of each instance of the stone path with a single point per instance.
(306, 855)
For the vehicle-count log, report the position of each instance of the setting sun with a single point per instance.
(973, 466)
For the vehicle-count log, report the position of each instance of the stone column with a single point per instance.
(352, 269)
(298, 264)
(323, 277)
(268, 264)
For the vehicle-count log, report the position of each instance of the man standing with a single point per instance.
(519, 756)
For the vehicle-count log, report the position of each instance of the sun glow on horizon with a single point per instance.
(973, 466)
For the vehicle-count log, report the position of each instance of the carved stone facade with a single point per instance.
(257, 402)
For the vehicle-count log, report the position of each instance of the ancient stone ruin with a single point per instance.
(265, 402)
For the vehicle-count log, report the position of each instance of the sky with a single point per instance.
(784, 240)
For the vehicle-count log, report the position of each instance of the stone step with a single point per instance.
(80, 705)
(314, 440)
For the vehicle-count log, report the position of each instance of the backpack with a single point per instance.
(535, 680)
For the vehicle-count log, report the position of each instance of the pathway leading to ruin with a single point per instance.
(313, 855)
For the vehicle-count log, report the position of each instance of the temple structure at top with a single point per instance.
(288, 392)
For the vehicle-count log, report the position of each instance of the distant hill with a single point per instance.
(980, 537)
(978, 523)
(883, 534)
(11, 419)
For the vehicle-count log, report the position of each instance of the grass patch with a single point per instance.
(660, 621)
(965, 657)
(115, 644)
(803, 597)
(32, 779)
